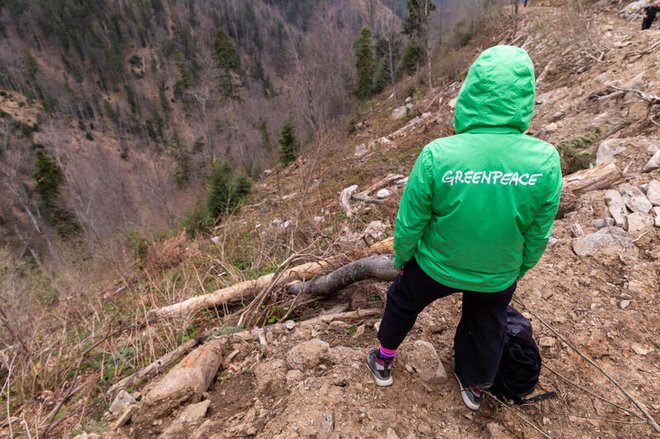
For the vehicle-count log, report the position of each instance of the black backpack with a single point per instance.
(520, 366)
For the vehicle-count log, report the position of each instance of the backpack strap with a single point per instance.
(539, 398)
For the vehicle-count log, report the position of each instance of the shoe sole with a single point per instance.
(379, 381)
(466, 400)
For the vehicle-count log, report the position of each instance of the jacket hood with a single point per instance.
(499, 91)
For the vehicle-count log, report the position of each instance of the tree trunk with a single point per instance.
(602, 176)
(374, 267)
(154, 368)
(390, 50)
(187, 380)
(248, 289)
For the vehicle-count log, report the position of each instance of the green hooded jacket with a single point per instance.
(478, 208)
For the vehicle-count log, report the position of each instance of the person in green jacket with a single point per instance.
(476, 215)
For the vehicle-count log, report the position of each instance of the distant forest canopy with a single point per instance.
(114, 114)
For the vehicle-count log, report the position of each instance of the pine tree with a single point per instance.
(225, 192)
(415, 26)
(49, 176)
(288, 144)
(226, 59)
(364, 63)
(381, 76)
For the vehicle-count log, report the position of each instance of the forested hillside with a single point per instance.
(116, 113)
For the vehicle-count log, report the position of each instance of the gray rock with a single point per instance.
(639, 223)
(616, 207)
(360, 150)
(121, 402)
(635, 199)
(653, 192)
(190, 417)
(633, 10)
(374, 232)
(608, 149)
(654, 163)
(424, 360)
(576, 230)
(409, 107)
(656, 212)
(408, 100)
(294, 376)
(383, 193)
(606, 238)
(547, 342)
(496, 431)
(602, 222)
(399, 113)
(636, 83)
(624, 304)
(307, 355)
(551, 127)
(328, 421)
(271, 373)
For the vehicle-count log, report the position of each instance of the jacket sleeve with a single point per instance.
(538, 234)
(414, 210)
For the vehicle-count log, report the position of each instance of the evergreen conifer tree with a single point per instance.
(288, 144)
(226, 59)
(364, 63)
(415, 26)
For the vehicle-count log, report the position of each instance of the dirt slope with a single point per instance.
(606, 304)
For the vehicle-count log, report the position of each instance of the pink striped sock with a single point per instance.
(387, 354)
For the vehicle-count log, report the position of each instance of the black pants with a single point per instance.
(646, 23)
(480, 335)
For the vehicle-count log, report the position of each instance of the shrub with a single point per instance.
(139, 246)
(197, 221)
(573, 154)
(352, 124)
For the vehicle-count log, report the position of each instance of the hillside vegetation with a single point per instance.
(281, 167)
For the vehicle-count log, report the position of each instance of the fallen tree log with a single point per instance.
(155, 367)
(345, 199)
(248, 289)
(374, 267)
(602, 176)
(187, 381)
(385, 181)
(366, 199)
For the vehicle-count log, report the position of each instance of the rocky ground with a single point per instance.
(596, 287)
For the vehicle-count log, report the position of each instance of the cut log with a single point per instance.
(602, 176)
(385, 181)
(345, 199)
(366, 199)
(188, 380)
(374, 267)
(156, 367)
(248, 289)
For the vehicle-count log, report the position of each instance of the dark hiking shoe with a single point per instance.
(380, 369)
(472, 396)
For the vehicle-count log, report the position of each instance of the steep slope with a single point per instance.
(281, 384)
(603, 303)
